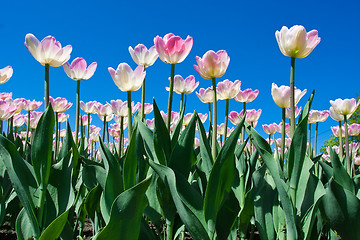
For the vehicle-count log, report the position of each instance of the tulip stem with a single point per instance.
(214, 129)
(209, 114)
(104, 129)
(181, 101)
(27, 132)
(1, 127)
(77, 112)
(348, 165)
(315, 146)
(107, 132)
(226, 119)
(143, 100)
(340, 142)
(121, 140)
(129, 115)
(56, 135)
(292, 97)
(243, 128)
(46, 85)
(282, 159)
(171, 90)
(88, 127)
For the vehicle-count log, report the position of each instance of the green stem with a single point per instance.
(77, 112)
(27, 132)
(8, 127)
(88, 128)
(143, 100)
(129, 115)
(11, 125)
(171, 90)
(209, 114)
(169, 229)
(46, 85)
(41, 205)
(121, 140)
(282, 158)
(340, 142)
(1, 126)
(243, 128)
(292, 98)
(104, 129)
(214, 129)
(226, 119)
(181, 102)
(107, 132)
(348, 164)
(56, 135)
(315, 152)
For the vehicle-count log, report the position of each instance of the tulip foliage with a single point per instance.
(174, 180)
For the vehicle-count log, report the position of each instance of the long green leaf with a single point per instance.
(162, 143)
(126, 214)
(55, 228)
(130, 162)
(340, 174)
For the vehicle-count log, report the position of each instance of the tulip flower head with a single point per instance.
(48, 51)
(173, 49)
(287, 127)
(271, 128)
(203, 117)
(5, 74)
(354, 129)
(4, 96)
(18, 120)
(119, 107)
(142, 56)
(184, 86)
(297, 112)
(85, 120)
(7, 110)
(235, 117)
(335, 131)
(281, 95)
(103, 110)
(227, 89)
(248, 95)
(59, 104)
(173, 118)
(212, 64)
(148, 108)
(62, 117)
(205, 95)
(126, 79)
(345, 107)
(88, 107)
(32, 105)
(296, 42)
(252, 115)
(318, 116)
(150, 123)
(78, 69)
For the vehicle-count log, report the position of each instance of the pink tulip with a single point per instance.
(252, 115)
(318, 116)
(34, 119)
(227, 89)
(18, 120)
(297, 112)
(59, 104)
(126, 79)
(19, 103)
(281, 95)
(4, 96)
(142, 56)
(196, 143)
(248, 95)
(203, 117)
(296, 42)
(271, 128)
(212, 64)
(88, 107)
(5, 74)
(32, 105)
(335, 131)
(6, 110)
(48, 51)
(62, 117)
(119, 107)
(62, 133)
(148, 108)
(346, 106)
(150, 123)
(221, 130)
(357, 161)
(85, 120)
(287, 127)
(78, 69)
(271, 141)
(94, 129)
(173, 49)
(173, 119)
(103, 110)
(235, 117)
(354, 129)
(205, 95)
(184, 86)
(113, 132)
(187, 118)
(287, 142)
(108, 117)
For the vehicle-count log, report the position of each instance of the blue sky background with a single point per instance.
(102, 31)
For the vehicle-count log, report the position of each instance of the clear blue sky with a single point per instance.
(102, 31)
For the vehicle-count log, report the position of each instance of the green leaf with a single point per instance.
(205, 150)
(183, 156)
(130, 162)
(92, 201)
(55, 228)
(188, 201)
(340, 174)
(162, 144)
(221, 178)
(41, 150)
(126, 214)
(23, 226)
(22, 178)
(342, 209)
(177, 130)
(265, 152)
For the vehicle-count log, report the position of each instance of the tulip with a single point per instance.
(59, 104)
(62, 117)
(336, 132)
(206, 95)
(316, 116)
(48, 52)
(4, 96)
(105, 111)
(148, 108)
(6, 110)
(5, 74)
(32, 105)
(246, 96)
(18, 120)
(119, 107)
(34, 119)
(187, 118)
(296, 42)
(173, 118)
(354, 129)
(252, 115)
(357, 161)
(86, 120)
(288, 112)
(128, 80)
(281, 95)
(79, 71)
(211, 66)
(150, 123)
(345, 107)
(203, 117)
(88, 107)
(173, 49)
(142, 56)
(271, 128)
